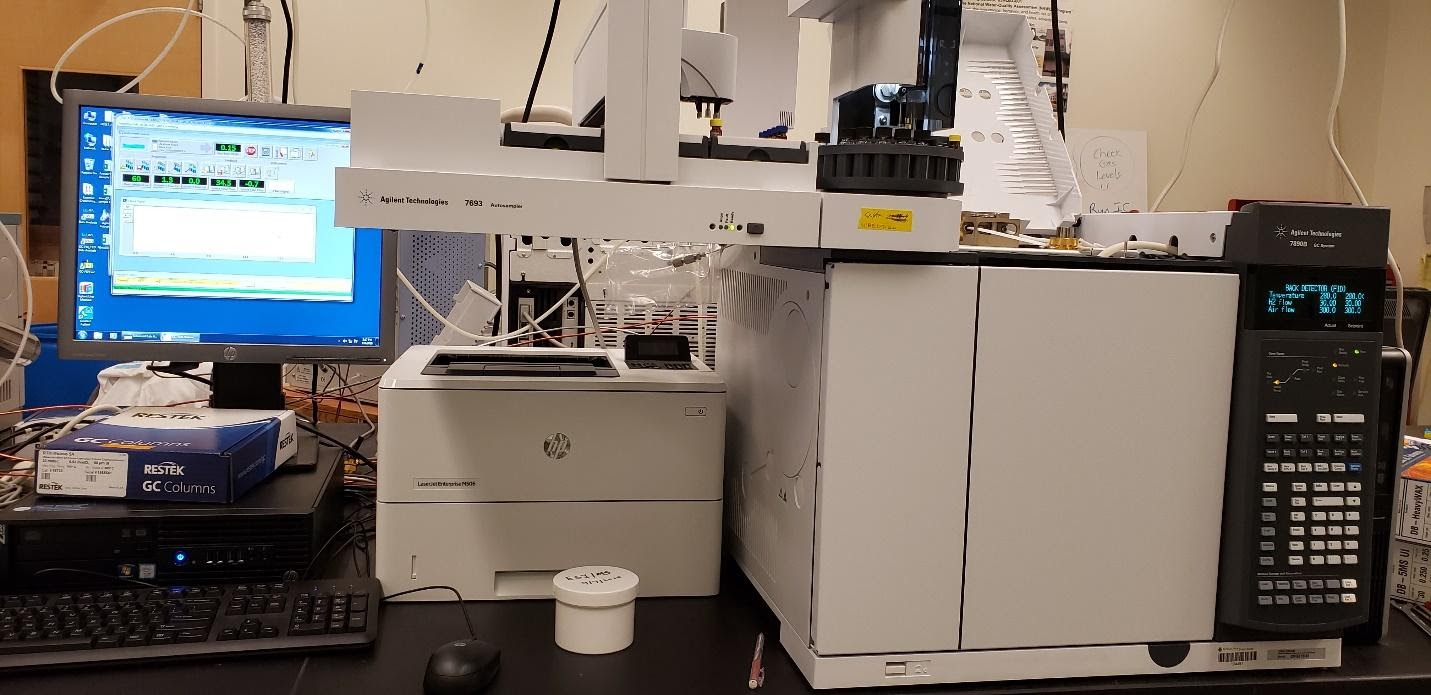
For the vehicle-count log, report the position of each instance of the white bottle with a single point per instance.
(595, 609)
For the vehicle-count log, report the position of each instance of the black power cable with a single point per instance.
(171, 372)
(460, 603)
(287, 48)
(323, 549)
(347, 448)
(101, 575)
(45, 431)
(1057, 65)
(541, 62)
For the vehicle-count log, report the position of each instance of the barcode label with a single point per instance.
(90, 478)
(1230, 657)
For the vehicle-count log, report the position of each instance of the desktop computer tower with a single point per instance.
(270, 534)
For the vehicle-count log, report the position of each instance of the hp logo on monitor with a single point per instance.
(230, 353)
(557, 446)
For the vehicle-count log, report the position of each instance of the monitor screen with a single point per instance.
(206, 228)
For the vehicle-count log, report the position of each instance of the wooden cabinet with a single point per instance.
(37, 32)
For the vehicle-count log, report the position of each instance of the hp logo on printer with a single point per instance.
(557, 446)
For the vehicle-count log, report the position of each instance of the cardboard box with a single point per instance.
(1410, 571)
(1412, 513)
(1410, 562)
(169, 454)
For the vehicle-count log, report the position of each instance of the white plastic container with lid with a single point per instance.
(595, 609)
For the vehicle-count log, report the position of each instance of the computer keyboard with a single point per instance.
(212, 620)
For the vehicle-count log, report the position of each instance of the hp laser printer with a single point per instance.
(501, 466)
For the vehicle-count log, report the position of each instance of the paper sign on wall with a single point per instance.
(1112, 168)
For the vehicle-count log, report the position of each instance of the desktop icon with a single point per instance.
(104, 216)
(86, 287)
(107, 139)
(89, 163)
(86, 241)
(107, 188)
(88, 215)
(89, 116)
(86, 266)
(108, 116)
(104, 239)
(108, 165)
(84, 313)
(87, 188)
(90, 141)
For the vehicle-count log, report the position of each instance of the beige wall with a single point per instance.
(1403, 162)
(481, 48)
(1139, 64)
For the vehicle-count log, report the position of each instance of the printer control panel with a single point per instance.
(658, 352)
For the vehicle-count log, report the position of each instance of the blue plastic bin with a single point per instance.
(50, 380)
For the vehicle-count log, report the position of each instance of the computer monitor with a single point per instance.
(201, 230)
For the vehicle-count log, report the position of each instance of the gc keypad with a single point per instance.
(1306, 474)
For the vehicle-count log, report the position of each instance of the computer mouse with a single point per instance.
(461, 668)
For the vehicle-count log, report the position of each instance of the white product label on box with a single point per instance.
(94, 473)
(1410, 591)
(1411, 518)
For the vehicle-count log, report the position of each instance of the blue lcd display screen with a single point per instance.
(208, 228)
(1319, 299)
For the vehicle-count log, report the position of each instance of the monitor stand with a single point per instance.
(247, 386)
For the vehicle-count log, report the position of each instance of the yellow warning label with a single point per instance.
(886, 220)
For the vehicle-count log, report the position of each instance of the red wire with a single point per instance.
(657, 322)
(81, 406)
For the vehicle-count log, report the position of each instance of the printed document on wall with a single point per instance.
(1038, 14)
(1112, 168)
